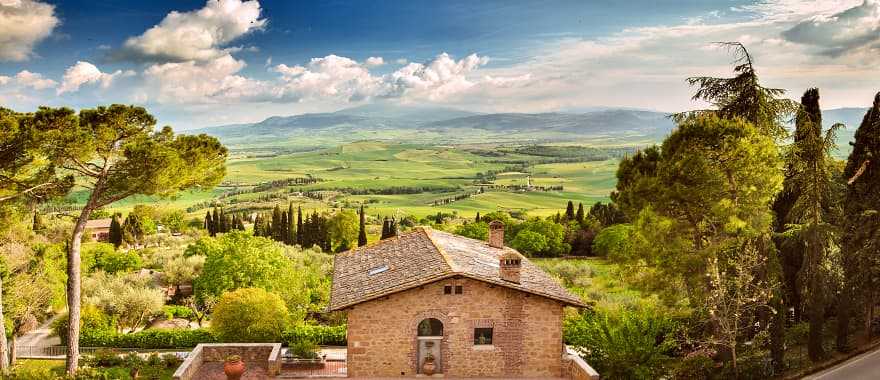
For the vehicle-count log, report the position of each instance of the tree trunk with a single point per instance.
(73, 292)
(4, 358)
(843, 315)
(13, 355)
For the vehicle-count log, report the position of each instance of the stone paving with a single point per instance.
(214, 371)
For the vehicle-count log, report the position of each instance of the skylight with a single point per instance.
(378, 270)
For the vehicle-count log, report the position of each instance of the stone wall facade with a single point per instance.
(527, 332)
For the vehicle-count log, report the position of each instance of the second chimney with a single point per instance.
(496, 234)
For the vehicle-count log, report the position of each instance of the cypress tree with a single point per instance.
(569, 211)
(258, 225)
(290, 238)
(813, 211)
(861, 227)
(209, 223)
(299, 226)
(115, 234)
(276, 223)
(362, 229)
(477, 218)
(580, 213)
(285, 224)
(216, 222)
(385, 229)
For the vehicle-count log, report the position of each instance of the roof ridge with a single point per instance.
(443, 254)
(378, 243)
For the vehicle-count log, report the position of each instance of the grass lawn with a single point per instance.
(595, 280)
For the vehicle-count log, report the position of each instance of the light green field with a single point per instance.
(437, 173)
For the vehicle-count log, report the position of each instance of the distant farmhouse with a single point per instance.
(99, 229)
(471, 308)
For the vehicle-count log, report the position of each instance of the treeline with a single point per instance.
(220, 222)
(393, 190)
(290, 229)
(574, 152)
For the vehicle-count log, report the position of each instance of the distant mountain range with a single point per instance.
(425, 124)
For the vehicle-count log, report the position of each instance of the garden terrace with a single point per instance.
(206, 360)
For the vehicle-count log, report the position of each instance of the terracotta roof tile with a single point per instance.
(423, 256)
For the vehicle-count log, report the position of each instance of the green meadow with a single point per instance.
(361, 173)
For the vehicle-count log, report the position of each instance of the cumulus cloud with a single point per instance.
(436, 79)
(374, 61)
(853, 30)
(26, 79)
(196, 35)
(23, 24)
(86, 73)
(328, 77)
(34, 80)
(201, 82)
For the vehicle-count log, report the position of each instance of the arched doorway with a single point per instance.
(430, 338)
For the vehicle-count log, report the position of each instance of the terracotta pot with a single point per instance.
(428, 367)
(233, 369)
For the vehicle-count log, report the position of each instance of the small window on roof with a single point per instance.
(378, 270)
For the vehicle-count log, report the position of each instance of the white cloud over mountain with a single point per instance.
(23, 24)
(198, 35)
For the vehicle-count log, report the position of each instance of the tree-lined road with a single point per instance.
(863, 367)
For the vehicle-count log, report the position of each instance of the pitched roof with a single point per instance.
(99, 223)
(423, 256)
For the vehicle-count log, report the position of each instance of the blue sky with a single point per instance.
(201, 63)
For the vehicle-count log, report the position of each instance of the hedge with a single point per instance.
(317, 334)
(152, 338)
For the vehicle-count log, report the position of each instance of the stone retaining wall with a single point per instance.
(264, 355)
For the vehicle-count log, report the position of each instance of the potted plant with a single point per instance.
(428, 366)
(233, 367)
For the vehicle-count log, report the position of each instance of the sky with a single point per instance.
(203, 63)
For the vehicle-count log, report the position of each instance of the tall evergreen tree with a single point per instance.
(814, 211)
(477, 218)
(285, 224)
(743, 96)
(579, 216)
(277, 228)
(209, 223)
(362, 229)
(115, 234)
(258, 225)
(290, 237)
(216, 222)
(861, 228)
(299, 226)
(569, 211)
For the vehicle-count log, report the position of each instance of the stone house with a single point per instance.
(480, 309)
(99, 229)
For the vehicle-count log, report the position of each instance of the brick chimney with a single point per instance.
(496, 234)
(509, 266)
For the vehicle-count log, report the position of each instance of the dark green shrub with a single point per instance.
(151, 338)
(177, 311)
(317, 334)
(304, 349)
(171, 360)
(104, 358)
(623, 344)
